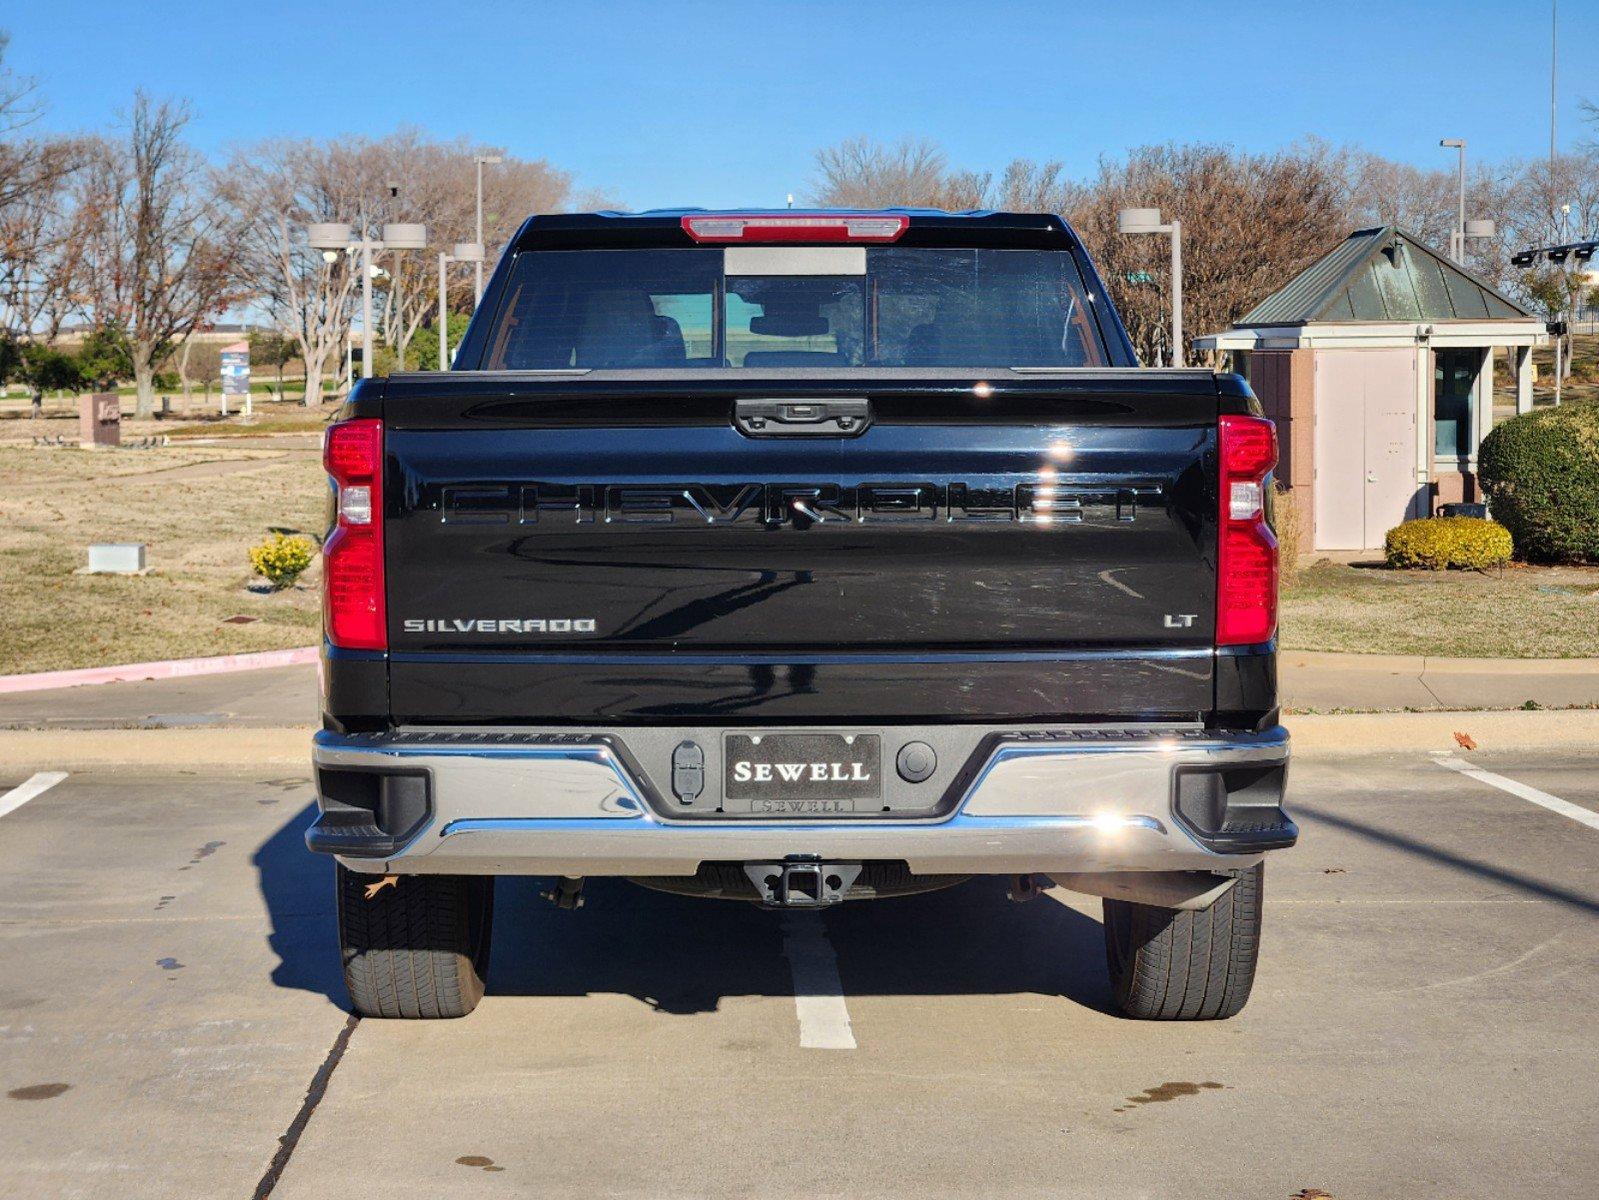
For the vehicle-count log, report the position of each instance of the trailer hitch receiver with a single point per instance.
(801, 882)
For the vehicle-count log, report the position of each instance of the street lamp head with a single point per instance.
(467, 252)
(488, 160)
(332, 235)
(1138, 220)
(404, 236)
(1453, 143)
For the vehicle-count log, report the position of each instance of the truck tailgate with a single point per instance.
(621, 547)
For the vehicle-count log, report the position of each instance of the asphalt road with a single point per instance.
(1423, 1023)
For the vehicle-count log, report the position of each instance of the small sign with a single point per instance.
(117, 558)
(99, 420)
(236, 374)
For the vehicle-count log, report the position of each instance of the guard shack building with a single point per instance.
(1377, 363)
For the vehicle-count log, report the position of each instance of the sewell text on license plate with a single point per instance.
(801, 773)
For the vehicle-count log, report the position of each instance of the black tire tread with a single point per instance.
(418, 949)
(1171, 964)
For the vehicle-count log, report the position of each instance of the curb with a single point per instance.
(174, 668)
(1323, 735)
(162, 749)
(1315, 737)
(1432, 664)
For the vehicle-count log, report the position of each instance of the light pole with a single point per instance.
(471, 252)
(480, 160)
(1147, 220)
(1457, 235)
(339, 235)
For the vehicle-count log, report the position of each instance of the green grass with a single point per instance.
(1521, 612)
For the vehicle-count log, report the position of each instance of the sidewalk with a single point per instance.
(1310, 682)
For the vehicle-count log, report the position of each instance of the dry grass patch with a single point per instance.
(199, 521)
(1520, 612)
(201, 509)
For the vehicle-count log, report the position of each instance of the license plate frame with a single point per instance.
(802, 773)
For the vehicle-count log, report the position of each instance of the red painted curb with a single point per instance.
(174, 668)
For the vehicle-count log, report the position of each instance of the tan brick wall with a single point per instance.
(1454, 487)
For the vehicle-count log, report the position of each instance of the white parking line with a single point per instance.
(1553, 803)
(38, 785)
(818, 992)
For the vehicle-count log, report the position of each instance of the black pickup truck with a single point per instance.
(800, 557)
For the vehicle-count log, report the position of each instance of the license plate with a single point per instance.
(806, 774)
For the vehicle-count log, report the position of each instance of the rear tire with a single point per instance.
(419, 948)
(1169, 964)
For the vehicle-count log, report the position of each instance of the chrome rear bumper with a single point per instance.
(1070, 800)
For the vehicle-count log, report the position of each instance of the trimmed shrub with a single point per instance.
(1437, 543)
(281, 560)
(1541, 475)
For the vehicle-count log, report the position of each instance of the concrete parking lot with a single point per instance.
(172, 1020)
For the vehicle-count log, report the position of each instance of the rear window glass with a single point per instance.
(903, 307)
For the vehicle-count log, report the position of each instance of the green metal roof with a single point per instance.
(1382, 274)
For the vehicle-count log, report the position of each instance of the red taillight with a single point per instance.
(352, 558)
(1246, 550)
(353, 452)
(824, 227)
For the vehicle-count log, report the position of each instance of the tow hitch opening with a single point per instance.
(801, 882)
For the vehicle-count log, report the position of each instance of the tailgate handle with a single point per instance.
(802, 418)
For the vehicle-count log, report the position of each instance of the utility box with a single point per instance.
(1376, 362)
(99, 420)
(117, 558)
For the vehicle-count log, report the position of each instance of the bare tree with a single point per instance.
(20, 104)
(159, 256)
(37, 249)
(438, 189)
(1028, 186)
(277, 188)
(913, 173)
(1421, 202)
(1250, 223)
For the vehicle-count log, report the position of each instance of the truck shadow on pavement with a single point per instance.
(297, 887)
(681, 955)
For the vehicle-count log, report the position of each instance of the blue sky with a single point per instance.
(725, 103)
